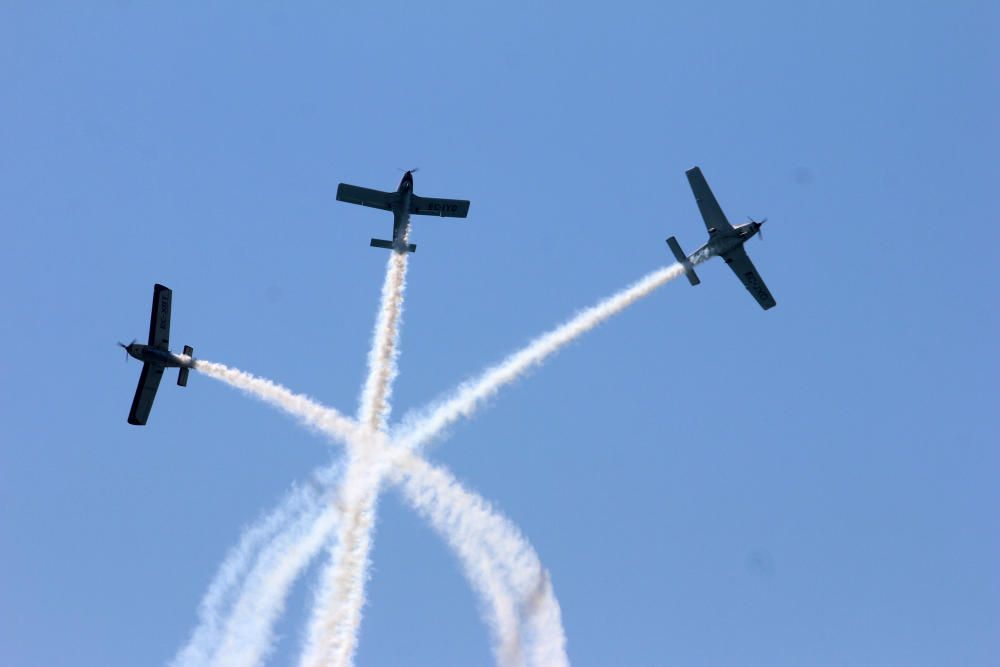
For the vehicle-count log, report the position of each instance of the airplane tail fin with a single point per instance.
(683, 260)
(388, 245)
(182, 372)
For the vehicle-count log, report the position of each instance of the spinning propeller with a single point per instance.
(125, 347)
(757, 226)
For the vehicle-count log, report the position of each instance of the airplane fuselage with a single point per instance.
(147, 354)
(721, 242)
(401, 211)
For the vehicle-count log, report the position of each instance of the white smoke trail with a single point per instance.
(421, 428)
(496, 558)
(340, 598)
(206, 637)
(382, 365)
(308, 411)
(336, 618)
(546, 641)
(249, 633)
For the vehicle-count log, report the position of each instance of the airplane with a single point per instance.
(155, 356)
(723, 240)
(402, 203)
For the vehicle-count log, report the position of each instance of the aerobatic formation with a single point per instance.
(336, 509)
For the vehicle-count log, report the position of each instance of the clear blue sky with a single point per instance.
(709, 484)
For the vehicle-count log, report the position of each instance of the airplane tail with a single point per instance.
(182, 372)
(683, 260)
(388, 245)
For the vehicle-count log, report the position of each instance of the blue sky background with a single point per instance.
(709, 484)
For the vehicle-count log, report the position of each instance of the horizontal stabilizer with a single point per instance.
(388, 245)
(182, 372)
(683, 260)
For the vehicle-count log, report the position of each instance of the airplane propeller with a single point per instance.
(760, 232)
(125, 347)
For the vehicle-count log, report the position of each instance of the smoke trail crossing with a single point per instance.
(336, 618)
(464, 519)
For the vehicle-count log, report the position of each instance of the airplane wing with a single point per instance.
(712, 213)
(159, 319)
(446, 208)
(352, 194)
(740, 263)
(145, 392)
